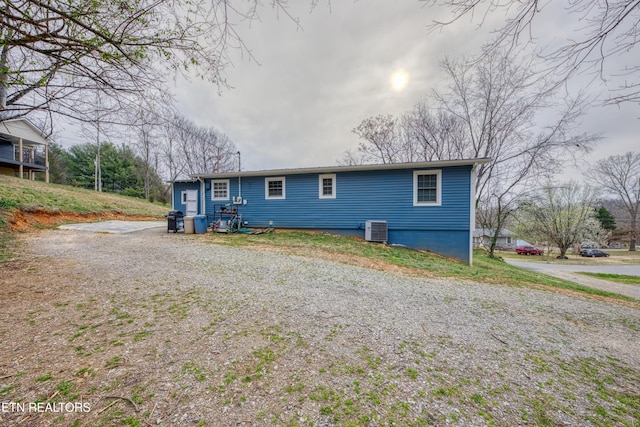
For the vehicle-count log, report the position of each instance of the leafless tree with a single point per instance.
(620, 176)
(498, 109)
(146, 125)
(380, 135)
(562, 215)
(597, 34)
(189, 149)
(351, 158)
(434, 135)
(53, 51)
(173, 164)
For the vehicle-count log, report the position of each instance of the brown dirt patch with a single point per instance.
(41, 219)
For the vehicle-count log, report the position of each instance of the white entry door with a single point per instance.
(192, 203)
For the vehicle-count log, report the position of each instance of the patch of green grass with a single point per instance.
(66, 389)
(31, 196)
(45, 377)
(139, 336)
(113, 362)
(7, 389)
(620, 278)
(132, 422)
(412, 373)
(478, 399)
(192, 368)
(85, 372)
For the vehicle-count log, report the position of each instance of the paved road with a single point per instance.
(567, 271)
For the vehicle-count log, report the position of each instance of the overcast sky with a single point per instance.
(314, 84)
(296, 106)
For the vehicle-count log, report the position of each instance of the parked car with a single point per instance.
(593, 253)
(528, 250)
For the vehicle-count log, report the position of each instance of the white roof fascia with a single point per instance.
(357, 168)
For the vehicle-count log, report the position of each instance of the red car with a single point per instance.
(528, 250)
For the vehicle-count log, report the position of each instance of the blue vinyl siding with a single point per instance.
(361, 196)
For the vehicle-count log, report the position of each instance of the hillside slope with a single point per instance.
(27, 204)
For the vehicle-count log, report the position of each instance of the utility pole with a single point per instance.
(98, 172)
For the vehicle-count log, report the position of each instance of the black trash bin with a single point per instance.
(175, 221)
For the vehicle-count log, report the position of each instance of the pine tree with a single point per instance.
(606, 218)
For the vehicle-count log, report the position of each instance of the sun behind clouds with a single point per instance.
(399, 79)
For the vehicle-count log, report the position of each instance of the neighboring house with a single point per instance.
(483, 236)
(419, 205)
(23, 149)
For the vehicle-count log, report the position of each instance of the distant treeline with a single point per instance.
(122, 171)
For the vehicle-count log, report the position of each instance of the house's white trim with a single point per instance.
(228, 183)
(355, 168)
(266, 187)
(438, 173)
(321, 177)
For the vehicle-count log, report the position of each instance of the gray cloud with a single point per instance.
(313, 85)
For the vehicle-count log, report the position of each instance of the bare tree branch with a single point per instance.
(597, 33)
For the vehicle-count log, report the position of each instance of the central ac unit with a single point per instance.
(376, 231)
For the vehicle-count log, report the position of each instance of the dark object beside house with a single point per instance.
(175, 221)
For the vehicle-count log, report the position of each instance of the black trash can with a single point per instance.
(175, 221)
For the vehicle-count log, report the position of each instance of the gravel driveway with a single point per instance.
(167, 329)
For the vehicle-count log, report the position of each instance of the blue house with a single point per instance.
(428, 205)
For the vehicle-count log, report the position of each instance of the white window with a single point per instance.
(427, 188)
(184, 197)
(220, 189)
(275, 188)
(327, 186)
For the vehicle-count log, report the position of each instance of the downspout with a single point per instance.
(173, 196)
(202, 196)
(472, 208)
(239, 178)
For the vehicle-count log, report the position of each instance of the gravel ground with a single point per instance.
(151, 328)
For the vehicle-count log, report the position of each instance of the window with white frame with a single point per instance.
(327, 186)
(220, 189)
(427, 188)
(275, 188)
(183, 195)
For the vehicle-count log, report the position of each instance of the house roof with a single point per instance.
(184, 181)
(15, 129)
(357, 168)
(479, 232)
